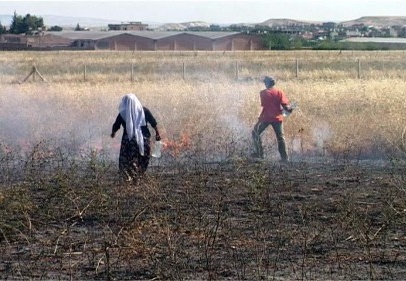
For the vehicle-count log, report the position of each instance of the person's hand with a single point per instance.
(157, 137)
(112, 134)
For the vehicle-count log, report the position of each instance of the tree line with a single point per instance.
(281, 41)
(27, 24)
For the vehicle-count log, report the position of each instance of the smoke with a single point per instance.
(321, 133)
(232, 105)
(78, 118)
(297, 145)
(33, 114)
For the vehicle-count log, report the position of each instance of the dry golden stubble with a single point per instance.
(337, 113)
(209, 100)
(107, 66)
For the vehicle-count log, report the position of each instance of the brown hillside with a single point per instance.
(377, 21)
(286, 22)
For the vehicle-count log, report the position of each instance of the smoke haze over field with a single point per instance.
(80, 119)
(208, 110)
(217, 118)
(28, 118)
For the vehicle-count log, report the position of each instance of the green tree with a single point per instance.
(2, 29)
(215, 27)
(55, 28)
(32, 23)
(16, 24)
(25, 24)
(277, 41)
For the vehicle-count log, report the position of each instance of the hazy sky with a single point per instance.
(212, 11)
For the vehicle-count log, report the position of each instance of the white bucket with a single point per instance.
(157, 149)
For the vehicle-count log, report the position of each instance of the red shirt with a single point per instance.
(272, 100)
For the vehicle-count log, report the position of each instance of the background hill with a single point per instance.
(66, 22)
(183, 26)
(50, 20)
(377, 21)
(286, 22)
(71, 22)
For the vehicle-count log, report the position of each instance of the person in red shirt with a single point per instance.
(273, 101)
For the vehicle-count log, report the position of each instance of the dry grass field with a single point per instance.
(206, 210)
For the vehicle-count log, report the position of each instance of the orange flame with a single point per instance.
(176, 146)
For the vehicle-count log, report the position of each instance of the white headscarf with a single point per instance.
(133, 114)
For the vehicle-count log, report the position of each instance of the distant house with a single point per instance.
(353, 33)
(84, 40)
(210, 41)
(329, 26)
(130, 26)
(13, 42)
(120, 40)
(165, 40)
(35, 42)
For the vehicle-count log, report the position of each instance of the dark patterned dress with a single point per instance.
(131, 163)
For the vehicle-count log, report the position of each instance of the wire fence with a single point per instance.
(116, 66)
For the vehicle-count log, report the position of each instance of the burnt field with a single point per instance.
(229, 220)
(205, 210)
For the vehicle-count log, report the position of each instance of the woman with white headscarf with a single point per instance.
(135, 148)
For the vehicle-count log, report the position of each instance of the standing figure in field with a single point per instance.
(273, 101)
(135, 148)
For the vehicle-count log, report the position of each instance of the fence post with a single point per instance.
(359, 68)
(237, 74)
(84, 73)
(132, 72)
(297, 68)
(34, 72)
(183, 70)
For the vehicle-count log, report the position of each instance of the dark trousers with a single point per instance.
(259, 128)
(131, 163)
